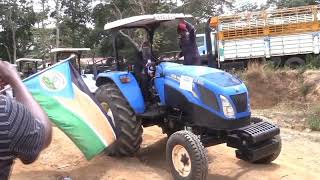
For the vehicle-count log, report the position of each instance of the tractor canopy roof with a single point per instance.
(28, 60)
(144, 21)
(69, 50)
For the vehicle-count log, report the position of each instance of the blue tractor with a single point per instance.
(196, 106)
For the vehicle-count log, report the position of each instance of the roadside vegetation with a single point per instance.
(313, 118)
(293, 94)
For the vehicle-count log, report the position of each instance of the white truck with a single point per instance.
(285, 36)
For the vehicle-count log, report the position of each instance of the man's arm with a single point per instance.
(9, 74)
(24, 97)
(190, 29)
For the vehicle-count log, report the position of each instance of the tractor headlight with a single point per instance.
(227, 107)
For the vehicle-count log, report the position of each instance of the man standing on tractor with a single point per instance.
(188, 45)
(148, 69)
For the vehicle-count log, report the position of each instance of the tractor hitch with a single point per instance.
(255, 141)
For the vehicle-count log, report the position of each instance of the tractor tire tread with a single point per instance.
(130, 129)
(198, 154)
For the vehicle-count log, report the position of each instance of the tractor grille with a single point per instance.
(240, 102)
(209, 98)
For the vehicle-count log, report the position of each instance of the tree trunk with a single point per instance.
(57, 30)
(42, 18)
(8, 52)
(13, 36)
(14, 45)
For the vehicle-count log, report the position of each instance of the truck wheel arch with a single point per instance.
(295, 61)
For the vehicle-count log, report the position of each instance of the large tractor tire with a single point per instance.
(186, 156)
(124, 119)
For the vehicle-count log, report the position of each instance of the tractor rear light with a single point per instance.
(125, 79)
(227, 107)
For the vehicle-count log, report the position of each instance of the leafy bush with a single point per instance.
(313, 119)
(312, 61)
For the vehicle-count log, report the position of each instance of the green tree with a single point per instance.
(16, 19)
(202, 10)
(76, 15)
(166, 37)
(43, 37)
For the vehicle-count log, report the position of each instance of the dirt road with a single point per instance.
(300, 159)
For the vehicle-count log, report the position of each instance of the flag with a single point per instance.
(69, 104)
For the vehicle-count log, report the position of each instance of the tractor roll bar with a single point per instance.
(212, 58)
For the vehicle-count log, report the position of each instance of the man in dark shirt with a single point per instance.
(25, 129)
(188, 45)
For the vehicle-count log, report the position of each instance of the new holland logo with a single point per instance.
(237, 89)
(53, 81)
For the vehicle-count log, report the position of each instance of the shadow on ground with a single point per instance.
(154, 156)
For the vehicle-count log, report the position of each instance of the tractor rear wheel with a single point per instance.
(186, 156)
(128, 126)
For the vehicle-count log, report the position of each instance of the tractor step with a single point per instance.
(153, 112)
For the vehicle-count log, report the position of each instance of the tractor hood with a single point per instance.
(201, 74)
(209, 88)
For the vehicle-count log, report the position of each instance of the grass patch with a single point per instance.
(305, 89)
(312, 62)
(313, 119)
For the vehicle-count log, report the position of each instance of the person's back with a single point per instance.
(24, 127)
(188, 45)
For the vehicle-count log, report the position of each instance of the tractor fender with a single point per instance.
(130, 90)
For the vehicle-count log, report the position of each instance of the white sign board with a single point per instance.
(186, 83)
(164, 17)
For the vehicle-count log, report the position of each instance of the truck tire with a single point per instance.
(272, 157)
(295, 62)
(186, 156)
(129, 127)
(276, 61)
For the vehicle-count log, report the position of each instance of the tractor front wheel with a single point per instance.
(186, 156)
(129, 127)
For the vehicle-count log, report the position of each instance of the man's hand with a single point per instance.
(2, 84)
(8, 73)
